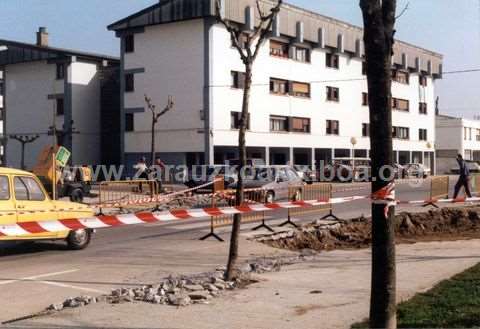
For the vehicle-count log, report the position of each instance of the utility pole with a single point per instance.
(24, 140)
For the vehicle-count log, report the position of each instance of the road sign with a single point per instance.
(62, 156)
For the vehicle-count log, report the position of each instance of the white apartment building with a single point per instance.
(43, 85)
(456, 136)
(309, 94)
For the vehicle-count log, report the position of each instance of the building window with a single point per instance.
(423, 80)
(129, 82)
(60, 106)
(130, 43)
(301, 54)
(365, 130)
(422, 134)
(333, 127)
(60, 71)
(422, 108)
(278, 124)
(364, 99)
(333, 94)
(129, 122)
(364, 68)
(401, 76)
(238, 80)
(400, 104)
(278, 87)
(236, 119)
(300, 89)
(300, 125)
(333, 61)
(278, 49)
(477, 136)
(401, 133)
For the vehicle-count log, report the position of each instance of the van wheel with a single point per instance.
(270, 197)
(79, 239)
(76, 195)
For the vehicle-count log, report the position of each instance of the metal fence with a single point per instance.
(317, 191)
(228, 198)
(127, 192)
(439, 188)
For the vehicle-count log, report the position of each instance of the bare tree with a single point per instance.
(155, 118)
(248, 48)
(379, 30)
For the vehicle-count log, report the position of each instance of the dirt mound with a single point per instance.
(437, 225)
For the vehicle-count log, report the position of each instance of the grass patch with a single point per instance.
(453, 303)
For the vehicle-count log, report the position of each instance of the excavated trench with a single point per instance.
(436, 225)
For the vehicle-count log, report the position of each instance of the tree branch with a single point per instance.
(234, 34)
(261, 32)
(404, 10)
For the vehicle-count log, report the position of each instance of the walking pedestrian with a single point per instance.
(463, 179)
(142, 172)
(158, 173)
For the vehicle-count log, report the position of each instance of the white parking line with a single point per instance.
(36, 277)
(62, 285)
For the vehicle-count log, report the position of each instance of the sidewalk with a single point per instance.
(284, 300)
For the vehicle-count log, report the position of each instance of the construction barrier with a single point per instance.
(228, 199)
(439, 188)
(98, 222)
(475, 183)
(127, 192)
(317, 191)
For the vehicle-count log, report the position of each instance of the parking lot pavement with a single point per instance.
(284, 299)
(34, 276)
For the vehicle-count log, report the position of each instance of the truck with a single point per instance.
(74, 182)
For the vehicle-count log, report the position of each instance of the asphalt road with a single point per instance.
(36, 275)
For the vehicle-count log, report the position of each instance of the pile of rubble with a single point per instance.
(187, 290)
(435, 225)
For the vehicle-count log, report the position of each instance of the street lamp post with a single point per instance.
(354, 142)
(24, 140)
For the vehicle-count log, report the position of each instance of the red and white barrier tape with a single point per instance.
(97, 222)
(385, 196)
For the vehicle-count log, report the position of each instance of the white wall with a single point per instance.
(349, 111)
(86, 113)
(28, 110)
(173, 58)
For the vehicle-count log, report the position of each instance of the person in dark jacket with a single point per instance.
(463, 179)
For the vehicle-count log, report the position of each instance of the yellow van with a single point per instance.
(23, 199)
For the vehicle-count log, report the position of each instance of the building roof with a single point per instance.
(14, 52)
(168, 11)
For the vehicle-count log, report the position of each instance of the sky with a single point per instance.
(450, 27)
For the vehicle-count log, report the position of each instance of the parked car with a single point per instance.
(417, 170)
(305, 173)
(23, 198)
(472, 166)
(349, 169)
(400, 171)
(276, 180)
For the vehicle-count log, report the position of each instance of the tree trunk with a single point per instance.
(379, 20)
(242, 150)
(152, 156)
